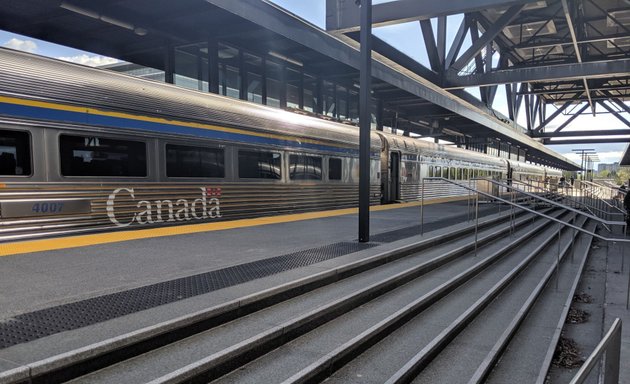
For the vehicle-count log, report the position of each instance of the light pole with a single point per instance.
(592, 158)
(583, 153)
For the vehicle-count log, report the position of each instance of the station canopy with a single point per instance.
(567, 55)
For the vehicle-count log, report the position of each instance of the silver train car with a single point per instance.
(405, 162)
(84, 149)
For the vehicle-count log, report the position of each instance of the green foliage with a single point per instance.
(622, 175)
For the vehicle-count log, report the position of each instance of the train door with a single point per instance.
(394, 176)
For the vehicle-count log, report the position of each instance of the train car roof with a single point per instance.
(429, 149)
(33, 77)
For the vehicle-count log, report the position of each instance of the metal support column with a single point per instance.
(263, 91)
(365, 101)
(242, 74)
(213, 66)
(169, 64)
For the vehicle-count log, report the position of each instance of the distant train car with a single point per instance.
(83, 149)
(405, 162)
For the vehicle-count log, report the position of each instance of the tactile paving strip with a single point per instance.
(45, 322)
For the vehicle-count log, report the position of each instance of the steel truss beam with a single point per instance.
(608, 132)
(608, 68)
(558, 111)
(277, 21)
(342, 15)
(487, 38)
(615, 113)
(567, 15)
(431, 45)
(573, 117)
(586, 141)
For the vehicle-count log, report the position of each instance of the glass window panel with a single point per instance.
(99, 156)
(273, 93)
(187, 161)
(334, 169)
(254, 88)
(186, 67)
(259, 165)
(232, 82)
(302, 167)
(15, 153)
(293, 96)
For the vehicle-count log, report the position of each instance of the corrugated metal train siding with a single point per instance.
(236, 201)
(433, 190)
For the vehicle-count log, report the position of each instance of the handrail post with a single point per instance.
(422, 209)
(610, 345)
(469, 197)
(512, 212)
(558, 256)
(612, 359)
(623, 249)
(476, 221)
(573, 222)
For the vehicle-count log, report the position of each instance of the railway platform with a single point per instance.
(68, 300)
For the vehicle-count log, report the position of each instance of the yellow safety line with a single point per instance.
(29, 246)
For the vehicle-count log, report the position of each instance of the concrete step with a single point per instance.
(66, 364)
(416, 345)
(345, 336)
(219, 349)
(526, 357)
(484, 340)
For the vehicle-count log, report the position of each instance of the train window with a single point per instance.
(15, 153)
(453, 174)
(259, 165)
(187, 161)
(430, 171)
(302, 167)
(438, 171)
(334, 169)
(445, 172)
(99, 156)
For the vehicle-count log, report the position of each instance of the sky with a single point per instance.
(406, 37)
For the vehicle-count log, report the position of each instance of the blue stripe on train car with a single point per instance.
(49, 114)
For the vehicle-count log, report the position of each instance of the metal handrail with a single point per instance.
(609, 345)
(512, 204)
(532, 195)
(615, 239)
(570, 198)
(599, 188)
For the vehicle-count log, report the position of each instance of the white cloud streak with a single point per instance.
(92, 61)
(21, 45)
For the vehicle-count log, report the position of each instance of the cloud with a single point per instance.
(21, 45)
(92, 61)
